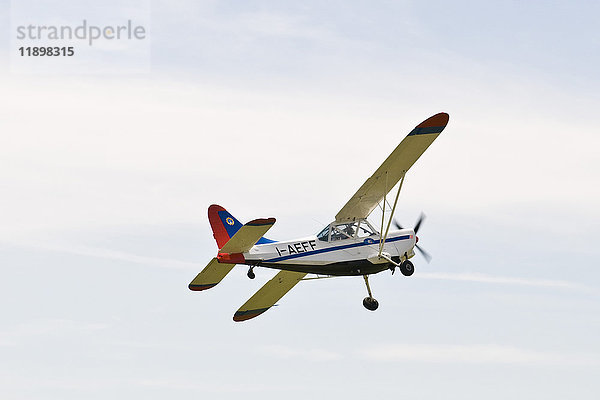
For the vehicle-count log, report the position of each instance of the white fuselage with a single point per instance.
(344, 256)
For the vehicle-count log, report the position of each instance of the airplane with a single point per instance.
(348, 246)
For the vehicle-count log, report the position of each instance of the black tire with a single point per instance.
(407, 268)
(370, 303)
(251, 274)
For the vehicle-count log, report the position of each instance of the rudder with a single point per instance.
(224, 225)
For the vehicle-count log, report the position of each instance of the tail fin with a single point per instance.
(224, 225)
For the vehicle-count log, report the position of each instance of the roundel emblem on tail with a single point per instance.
(229, 221)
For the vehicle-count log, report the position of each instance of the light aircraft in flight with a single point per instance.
(349, 246)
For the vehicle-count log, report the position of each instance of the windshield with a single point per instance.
(324, 234)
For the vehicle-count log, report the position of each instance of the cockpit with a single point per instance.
(346, 230)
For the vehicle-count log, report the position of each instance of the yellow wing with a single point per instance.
(247, 236)
(268, 295)
(393, 168)
(212, 274)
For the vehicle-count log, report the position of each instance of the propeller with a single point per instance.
(419, 222)
(425, 254)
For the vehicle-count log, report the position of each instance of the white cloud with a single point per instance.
(161, 151)
(299, 353)
(192, 383)
(160, 262)
(46, 327)
(474, 354)
(483, 278)
(106, 254)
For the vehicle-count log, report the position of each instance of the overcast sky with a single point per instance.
(283, 109)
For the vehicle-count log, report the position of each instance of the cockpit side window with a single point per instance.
(324, 234)
(365, 230)
(347, 230)
(343, 231)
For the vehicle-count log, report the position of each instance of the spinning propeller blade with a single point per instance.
(425, 254)
(422, 217)
(419, 222)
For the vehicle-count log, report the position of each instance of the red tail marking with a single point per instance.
(235, 258)
(219, 232)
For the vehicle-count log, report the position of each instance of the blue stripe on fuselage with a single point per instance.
(264, 240)
(328, 249)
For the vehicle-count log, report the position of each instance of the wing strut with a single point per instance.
(387, 229)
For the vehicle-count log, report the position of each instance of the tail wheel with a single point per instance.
(370, 303)
(407, 268)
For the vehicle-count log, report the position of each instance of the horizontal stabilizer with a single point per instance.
(268, 295)
(212, 274)
(247, 236)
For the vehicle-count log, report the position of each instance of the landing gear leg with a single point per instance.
(251, 274)
(369, 302)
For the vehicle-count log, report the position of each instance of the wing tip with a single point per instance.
(261, 221)
(240, 316)
(199, 288)
(437, 120)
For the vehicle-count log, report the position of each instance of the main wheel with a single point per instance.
(407, 268)
(370, 303)
(251, 274)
